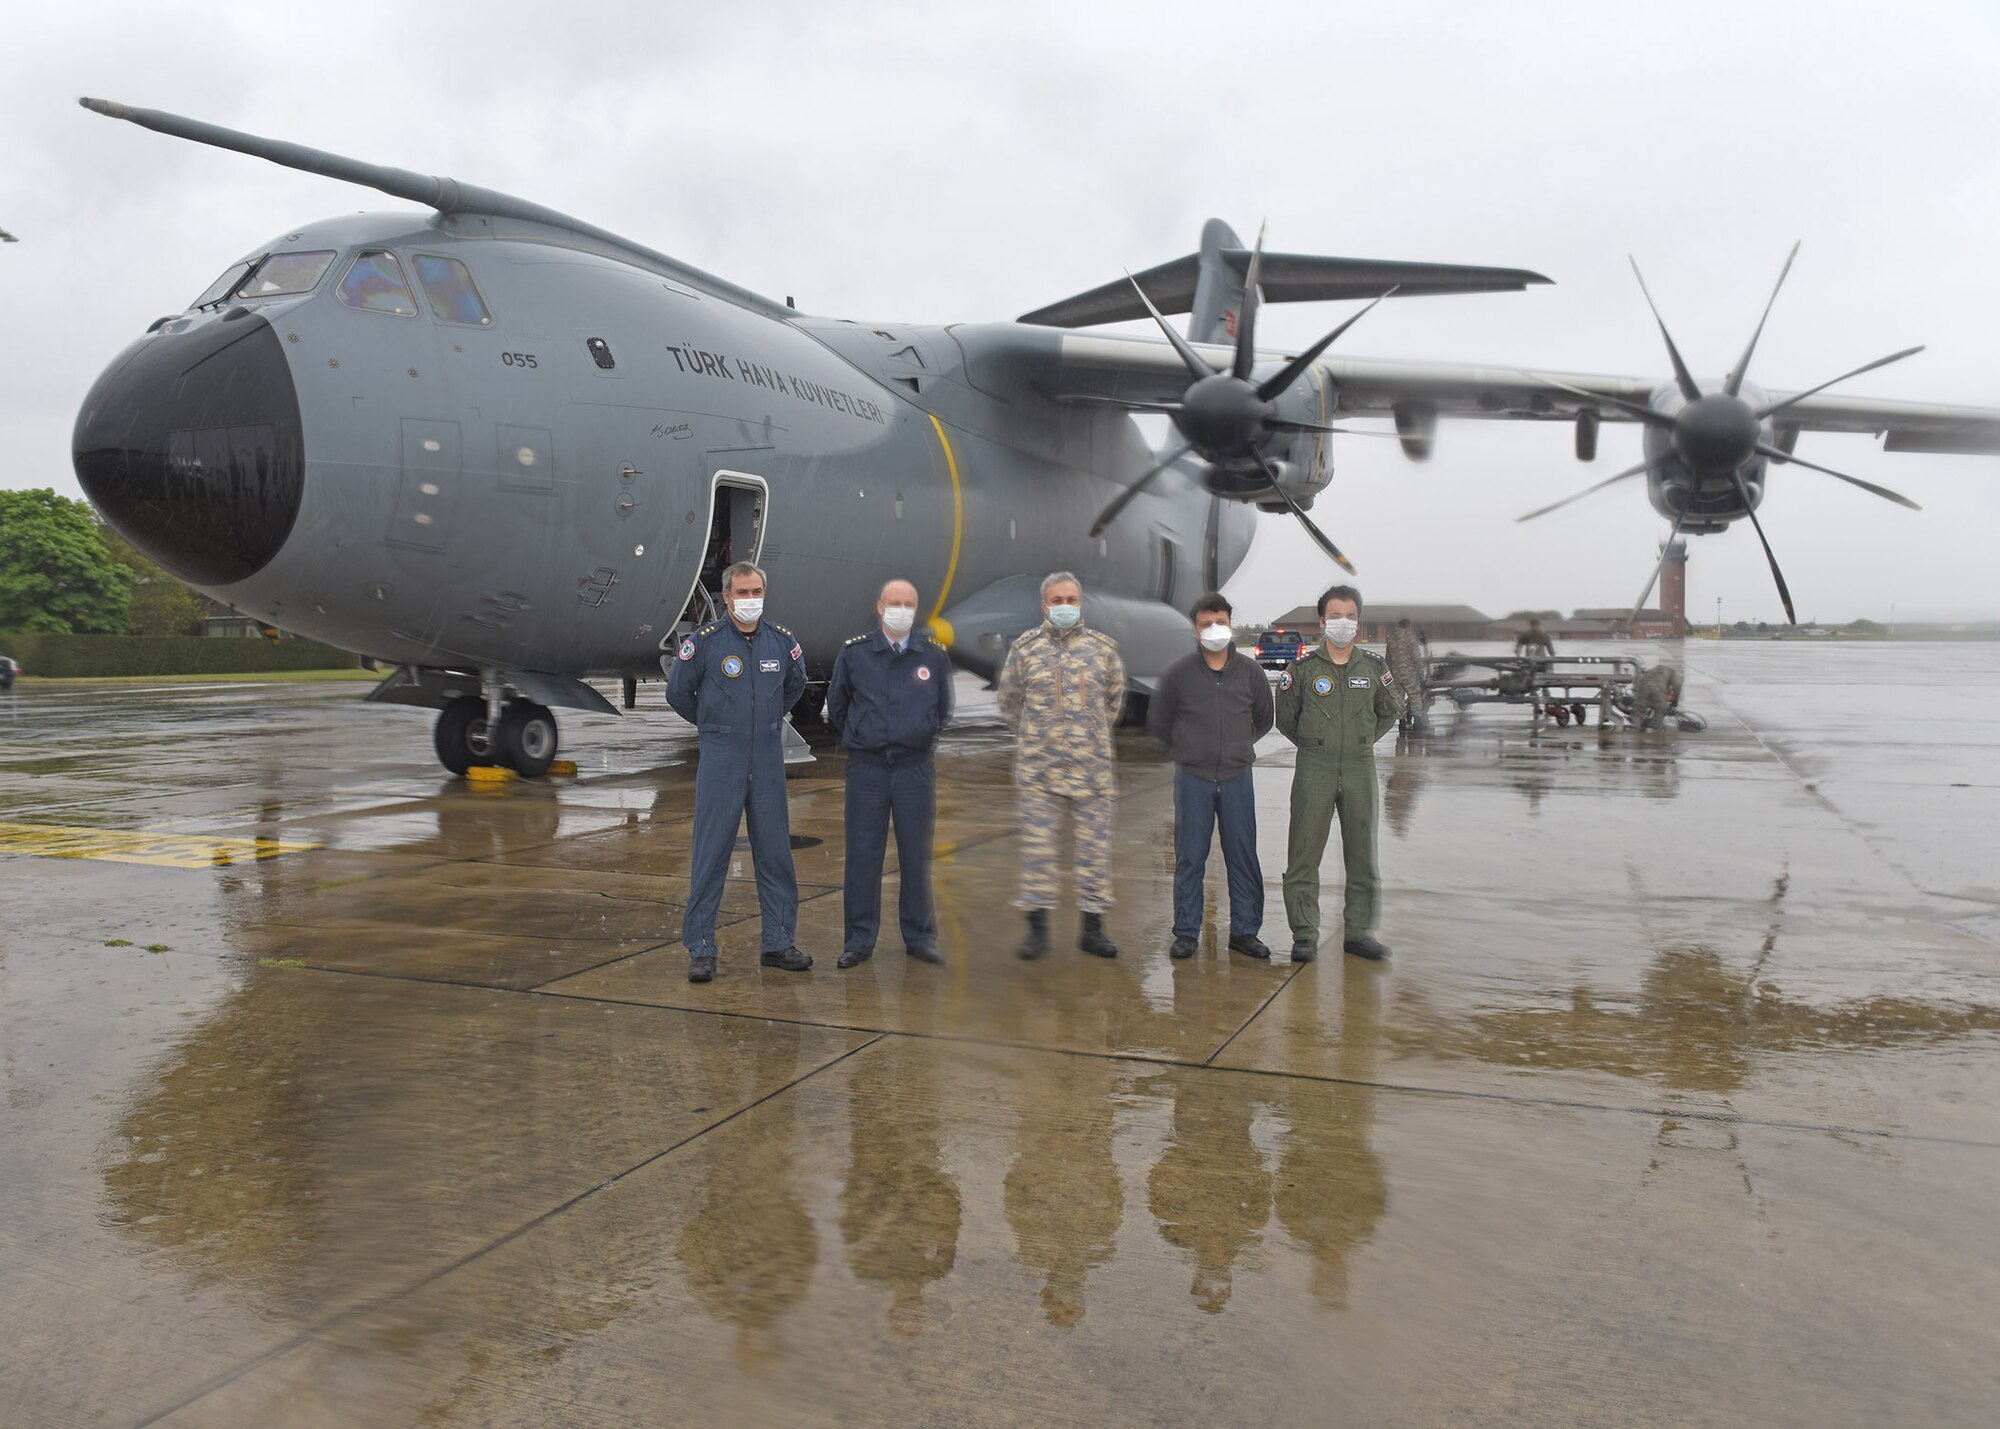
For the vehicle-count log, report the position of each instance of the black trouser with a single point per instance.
(877, 793)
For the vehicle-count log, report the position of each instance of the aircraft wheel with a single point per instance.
(527, 738)
(461, 736)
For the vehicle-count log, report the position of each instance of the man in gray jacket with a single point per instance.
(1211, 707)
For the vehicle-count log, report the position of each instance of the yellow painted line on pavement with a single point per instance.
(122, 846)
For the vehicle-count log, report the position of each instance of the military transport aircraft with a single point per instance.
(506, 451)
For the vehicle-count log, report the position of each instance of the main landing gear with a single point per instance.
(522, 739)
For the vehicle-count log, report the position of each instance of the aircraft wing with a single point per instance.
(1062, 366)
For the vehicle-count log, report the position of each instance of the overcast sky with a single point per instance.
(939, 164)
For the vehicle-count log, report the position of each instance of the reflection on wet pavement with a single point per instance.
(1674, 1103)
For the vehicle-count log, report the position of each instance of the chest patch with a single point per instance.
(923, 672)
(687, 649)
(1358, 682)
(768, 667)
(1323, 685)
(732, 665)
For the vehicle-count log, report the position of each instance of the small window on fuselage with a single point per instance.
(375, 284)
(285, 273)
(449, 287)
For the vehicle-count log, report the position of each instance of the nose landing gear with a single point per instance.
(524, 739)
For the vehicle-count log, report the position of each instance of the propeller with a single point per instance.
(1716, 434)
(1225, 416)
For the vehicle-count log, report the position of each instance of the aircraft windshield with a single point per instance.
(222, 287)
(375, 285)
(449, 287)
(283, 273)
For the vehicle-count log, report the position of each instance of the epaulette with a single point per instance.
(708, 629)
(1376, 656)
(1099, 634)
(782, 631)
(853, 640)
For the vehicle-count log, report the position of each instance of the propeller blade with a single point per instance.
(1246, 320)
(1196, 366)
(1128, 404)
(1665, 551)
(1319, 536)
(1734, 384)
(1681, 374)
(1124, 498)
(1286, 424)
(1211, 547)
(1629, 471)
(1775, 454)
(1272, 386)
(1639, 411)
(1743, 495)
(1768, 408)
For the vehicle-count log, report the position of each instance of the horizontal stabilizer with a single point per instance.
(1283, 278)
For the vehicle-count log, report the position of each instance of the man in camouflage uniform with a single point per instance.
(1406, 663)
(1654, 696)
(1060, 692)
(1334, 704)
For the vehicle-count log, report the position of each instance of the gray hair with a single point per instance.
(1057, 578)
(741, 568)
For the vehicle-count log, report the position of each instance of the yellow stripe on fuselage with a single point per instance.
(941, 628)
(124, 846)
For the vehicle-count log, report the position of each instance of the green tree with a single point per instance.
(161, 604)
(56, 577)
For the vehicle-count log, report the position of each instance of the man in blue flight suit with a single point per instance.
(735, 681)
(889, 697)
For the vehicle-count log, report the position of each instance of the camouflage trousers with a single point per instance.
(1041, 816)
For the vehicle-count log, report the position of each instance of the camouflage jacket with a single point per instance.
(1406, 656)
(1060, 692)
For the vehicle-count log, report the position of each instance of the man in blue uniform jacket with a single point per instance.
(889, 697)
(735, 681)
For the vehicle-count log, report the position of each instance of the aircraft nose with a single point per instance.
(190, 446)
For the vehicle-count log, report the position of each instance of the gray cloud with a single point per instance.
(917, 163)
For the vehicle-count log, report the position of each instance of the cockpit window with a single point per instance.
(283, 273)
(375, 285)
(449, 287)
(225, 285)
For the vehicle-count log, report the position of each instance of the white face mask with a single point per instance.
(748, 609)
(899, 619)
(1341, 630)
(1216, 637)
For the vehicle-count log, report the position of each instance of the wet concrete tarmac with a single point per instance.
(1676, 1103)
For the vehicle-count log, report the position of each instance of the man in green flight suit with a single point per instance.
(1334, 703)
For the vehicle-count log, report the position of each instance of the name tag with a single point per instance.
(769, 667)
(1358, 682)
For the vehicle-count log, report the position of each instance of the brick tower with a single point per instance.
(1673, 587)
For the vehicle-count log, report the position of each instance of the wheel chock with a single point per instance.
(490, 774)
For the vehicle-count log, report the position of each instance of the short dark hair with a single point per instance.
(1214, 600)
(1340, 592)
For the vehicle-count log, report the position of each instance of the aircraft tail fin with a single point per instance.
(1209, 285)
(1218, 288)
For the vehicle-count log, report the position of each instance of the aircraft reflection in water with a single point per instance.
(1535, 767)
(1696, 1024)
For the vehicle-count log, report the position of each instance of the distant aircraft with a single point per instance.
(505, 450)
(6, 237)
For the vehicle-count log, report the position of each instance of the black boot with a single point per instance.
(1036, 942)
(1092, 939)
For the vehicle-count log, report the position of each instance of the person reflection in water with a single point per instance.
(1063, 1197)
(899, 1211)
(1210, 1192)
(1330, 1187)
(748, 1249)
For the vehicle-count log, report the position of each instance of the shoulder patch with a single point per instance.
(1285, 680)
(687, 648)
